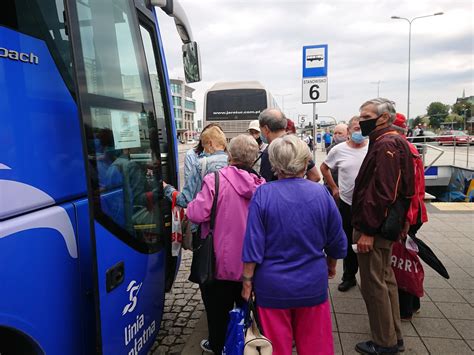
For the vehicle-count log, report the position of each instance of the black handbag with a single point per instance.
(204, 260)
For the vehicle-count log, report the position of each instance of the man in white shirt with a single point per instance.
(346, 158)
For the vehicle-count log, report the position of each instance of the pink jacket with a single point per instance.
(236, 188)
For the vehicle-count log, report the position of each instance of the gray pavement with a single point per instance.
(445, 324)
(182, 312)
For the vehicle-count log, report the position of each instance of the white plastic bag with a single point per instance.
(177, 217)
(411, 245)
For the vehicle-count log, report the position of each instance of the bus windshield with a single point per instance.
(236, 104)
(44, 20)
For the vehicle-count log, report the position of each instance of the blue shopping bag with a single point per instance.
(235, 337)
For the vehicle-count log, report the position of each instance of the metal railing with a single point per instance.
(457, 156)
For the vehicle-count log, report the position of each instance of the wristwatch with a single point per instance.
(247, 278)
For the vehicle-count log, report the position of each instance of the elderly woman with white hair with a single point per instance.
(237, 184)
(294, 236)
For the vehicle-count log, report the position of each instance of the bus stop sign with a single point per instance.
(315, 71)
(315, 61)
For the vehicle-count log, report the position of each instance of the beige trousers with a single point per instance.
(380, 292)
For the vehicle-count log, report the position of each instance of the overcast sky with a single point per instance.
(263, 39)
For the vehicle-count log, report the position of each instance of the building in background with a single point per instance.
(184, 110)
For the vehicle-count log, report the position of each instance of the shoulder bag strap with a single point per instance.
(203, 167)
(252, 316)
(214, 202)
(256, 160)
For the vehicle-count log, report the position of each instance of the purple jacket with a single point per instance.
(236, 188)
(292, 225)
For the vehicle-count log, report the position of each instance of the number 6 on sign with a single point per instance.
(315, 90)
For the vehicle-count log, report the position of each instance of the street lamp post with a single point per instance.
(290, 111)
(409, 49)
(378, 86)
(283, 101)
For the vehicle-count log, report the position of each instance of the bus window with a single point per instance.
(107, 37)
(238, 104)
(158, 97)
(44, 20)
(121, 128)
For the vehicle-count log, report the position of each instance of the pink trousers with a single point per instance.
(310, 327)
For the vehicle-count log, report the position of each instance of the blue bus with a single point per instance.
(86, 138)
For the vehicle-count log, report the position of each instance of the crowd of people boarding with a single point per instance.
(278, 233)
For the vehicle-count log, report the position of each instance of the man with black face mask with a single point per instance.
(382, 193)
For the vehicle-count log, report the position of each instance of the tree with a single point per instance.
(425, 121)
(462, 108)
(437, 112)
(454, 118)
(419, 120)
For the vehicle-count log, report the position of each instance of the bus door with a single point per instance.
(126, 137)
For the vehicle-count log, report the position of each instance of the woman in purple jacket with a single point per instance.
(294, 236)
(237, 184)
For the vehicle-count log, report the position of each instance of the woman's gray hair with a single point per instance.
(243, 149)
(289, 155)
(382, 105)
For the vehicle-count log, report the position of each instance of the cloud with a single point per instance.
(262, 40)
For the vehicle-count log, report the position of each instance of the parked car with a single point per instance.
(428, 136)
(449, 137)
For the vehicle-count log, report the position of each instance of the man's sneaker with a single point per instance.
(346, 285)
(370, 348)
(206, 347)
(401, 345)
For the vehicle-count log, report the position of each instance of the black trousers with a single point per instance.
(350, 265)
(219, 298)
(409, 304)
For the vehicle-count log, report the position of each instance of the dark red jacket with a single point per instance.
(387, 173)
(417, 212)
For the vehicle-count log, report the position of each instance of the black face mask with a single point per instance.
(366, 127)
(259, 140)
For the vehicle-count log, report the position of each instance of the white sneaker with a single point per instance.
(206, 347)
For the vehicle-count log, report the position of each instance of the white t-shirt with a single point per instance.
(347, 161)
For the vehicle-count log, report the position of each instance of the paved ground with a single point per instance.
(183, 309)
(445, 324)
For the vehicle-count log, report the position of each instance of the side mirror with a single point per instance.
(191, 62)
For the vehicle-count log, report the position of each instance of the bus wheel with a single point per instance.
(15, 342)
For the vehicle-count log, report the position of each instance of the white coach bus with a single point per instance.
(233, 105)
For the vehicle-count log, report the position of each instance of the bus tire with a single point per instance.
(13, 342)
